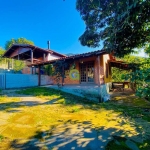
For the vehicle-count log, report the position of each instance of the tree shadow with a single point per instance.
(68, 99)
(72, 135)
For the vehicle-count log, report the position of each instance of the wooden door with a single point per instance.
(87, 72)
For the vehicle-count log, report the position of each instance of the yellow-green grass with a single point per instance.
(57, 108)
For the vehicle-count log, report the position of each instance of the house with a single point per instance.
(92, 67)
(31, 54)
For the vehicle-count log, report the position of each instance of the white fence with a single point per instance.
(9, 80)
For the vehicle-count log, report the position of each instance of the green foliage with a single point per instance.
(141, 76)
(18, 65)
(59, 71)
(17, 41)
(147, 49)
(122, 25)
(49, 69)
(118, 75)
(1, 138)
(120, 143)
(2, 51)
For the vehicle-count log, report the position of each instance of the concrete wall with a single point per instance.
(22, 80)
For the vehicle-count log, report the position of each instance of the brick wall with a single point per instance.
(103, 61)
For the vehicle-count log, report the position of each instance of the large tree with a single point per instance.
(122, 24)
(17, 41)
(2, 51)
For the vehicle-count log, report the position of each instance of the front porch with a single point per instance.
(92, 91)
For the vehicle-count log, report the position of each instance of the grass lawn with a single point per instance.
(44, 111)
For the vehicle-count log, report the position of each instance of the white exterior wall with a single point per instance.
(21, 80)
(45, 80)
(9, 80)
(51, 57)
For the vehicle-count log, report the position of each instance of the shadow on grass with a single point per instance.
(75, 135)
(66, 99)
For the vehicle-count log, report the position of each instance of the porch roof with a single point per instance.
(122, 65)
(74, 57)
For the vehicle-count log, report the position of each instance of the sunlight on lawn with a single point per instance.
(20, 121)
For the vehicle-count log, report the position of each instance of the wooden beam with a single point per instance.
(34, 59)
(39, 75)
(19, 51)
(31, 57)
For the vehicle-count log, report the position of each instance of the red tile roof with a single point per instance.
(98, 52)
(15, 46)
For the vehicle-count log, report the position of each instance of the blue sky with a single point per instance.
(39, 21)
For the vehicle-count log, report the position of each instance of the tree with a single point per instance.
(122, 25)
(142, 78)
(147, 49)
(49, 69)
(59, 71)
(17, 41)
(118, 75)
(2, 51)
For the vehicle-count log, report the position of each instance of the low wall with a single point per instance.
(21, 80)
(9, 80)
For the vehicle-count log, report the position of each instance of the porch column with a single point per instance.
(98, 60)
(39, 75)
(32, 69)
(44, 56)
(99, 81)
(12, 61)
(63, 71)
(31, 56)
(18, 55)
